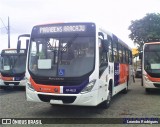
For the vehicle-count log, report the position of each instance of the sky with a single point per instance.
(113, 15)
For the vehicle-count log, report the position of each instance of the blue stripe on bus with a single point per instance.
(75, 89)
(116, 74)
(18, 78)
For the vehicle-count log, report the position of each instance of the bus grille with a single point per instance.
(156, 85)
(15, 83)
(65, 99)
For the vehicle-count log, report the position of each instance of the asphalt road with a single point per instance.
(135, 104)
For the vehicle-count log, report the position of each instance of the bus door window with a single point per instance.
(103, 59)
(110, 49)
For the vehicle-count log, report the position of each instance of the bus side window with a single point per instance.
(115, 51)
(0, 63)
(130, 57)
(127, 56)
(124, 55)
(120, 53)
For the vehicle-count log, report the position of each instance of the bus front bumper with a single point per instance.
(87, 99)
(12, 83)
(149, 84)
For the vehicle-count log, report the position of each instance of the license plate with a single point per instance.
(11, 84)
(56, 102)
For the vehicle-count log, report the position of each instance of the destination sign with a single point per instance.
(60, 29)
(12, 51)
(152, 47)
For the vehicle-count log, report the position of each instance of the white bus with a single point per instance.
(76, 64)
(151, 66)
(13, 65)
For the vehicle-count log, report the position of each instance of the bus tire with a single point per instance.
(125, 91)
(148, 90)
(106, 103)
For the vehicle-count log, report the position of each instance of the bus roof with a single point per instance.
(119, 40)
(56, 23)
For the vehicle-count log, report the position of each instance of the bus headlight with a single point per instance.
(29, 85)
(89, 87)
(146, 78)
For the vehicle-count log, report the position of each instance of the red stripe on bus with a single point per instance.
(7, 78)
(45, 88)
(153, 79)
(124, 72)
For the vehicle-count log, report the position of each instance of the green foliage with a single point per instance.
(145, 30)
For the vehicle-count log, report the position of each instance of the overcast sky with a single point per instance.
(114, 15)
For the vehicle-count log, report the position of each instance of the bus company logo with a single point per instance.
(116, 72)
(44, 89)
(56, 90)
(60, 79)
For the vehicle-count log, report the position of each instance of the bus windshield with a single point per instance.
(70, 56)
(13, 64)
(152, 58)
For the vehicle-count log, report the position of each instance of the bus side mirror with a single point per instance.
(140, 55)
(18, 46)
(27, 43)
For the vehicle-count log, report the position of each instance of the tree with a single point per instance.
(145, 30)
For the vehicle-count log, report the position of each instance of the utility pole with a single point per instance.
(8, 34)
(8, 31)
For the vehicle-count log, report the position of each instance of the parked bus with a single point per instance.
(13, 65)
(76, 64)
(151, 66)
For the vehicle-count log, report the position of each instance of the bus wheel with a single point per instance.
(148, 90)
(126, 89)
(107, 102)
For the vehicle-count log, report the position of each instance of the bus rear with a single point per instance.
(151, 66)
